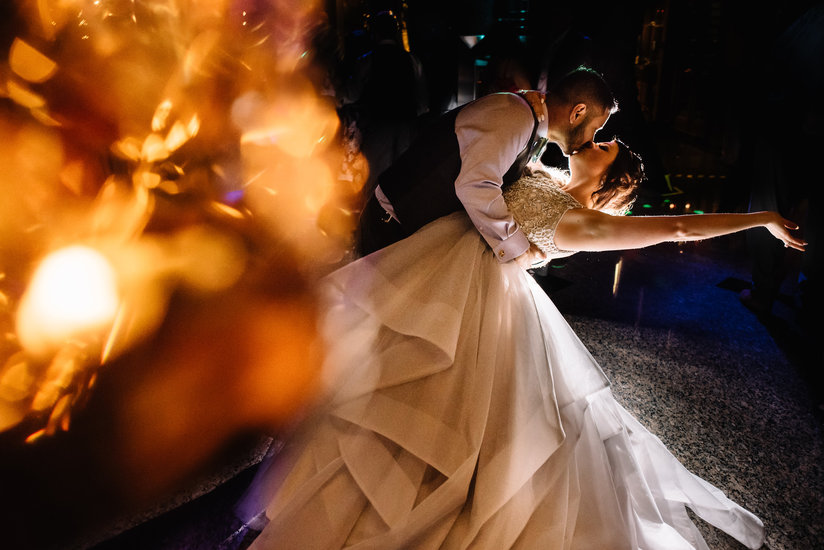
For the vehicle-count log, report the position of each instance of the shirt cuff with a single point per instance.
(383, 200)
(511, 248)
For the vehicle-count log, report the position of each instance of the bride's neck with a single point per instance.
(581, 189)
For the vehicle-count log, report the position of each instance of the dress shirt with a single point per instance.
(491, 132)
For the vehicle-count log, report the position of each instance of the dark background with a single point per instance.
(695, 79)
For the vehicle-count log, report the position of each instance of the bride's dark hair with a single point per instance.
(620, 183)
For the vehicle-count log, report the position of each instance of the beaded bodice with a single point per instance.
(537, 203)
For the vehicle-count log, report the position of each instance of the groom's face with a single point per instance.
(581, 134)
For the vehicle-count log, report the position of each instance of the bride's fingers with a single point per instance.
(792, 242)
(536, 100)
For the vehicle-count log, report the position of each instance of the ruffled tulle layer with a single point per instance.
(467, 414)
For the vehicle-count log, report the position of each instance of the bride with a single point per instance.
(463, 411)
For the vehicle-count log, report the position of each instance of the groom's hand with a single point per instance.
(533, 257)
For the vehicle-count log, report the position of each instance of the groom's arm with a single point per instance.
(491, 132)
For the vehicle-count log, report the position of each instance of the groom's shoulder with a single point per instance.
(502, 99)
(502, 106)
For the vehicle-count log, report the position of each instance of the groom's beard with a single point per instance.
(576, 138)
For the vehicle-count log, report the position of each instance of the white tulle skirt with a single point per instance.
(464, 412)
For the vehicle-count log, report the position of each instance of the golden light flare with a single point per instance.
(181, 132)
(147, 179)
(29, 63)
(120, 211)
(298, 125)
(22, 95)
(72, 292)
(175, 185)
(85, 307)
(60, 374)
(198, 54)
(128, 148)
(616, 279)
(48, 17)
(161, 115)
(195, 259)
(289, 198)
(16, 380)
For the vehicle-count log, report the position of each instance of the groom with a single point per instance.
(464, 158)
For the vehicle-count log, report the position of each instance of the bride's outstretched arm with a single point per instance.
(582, 229)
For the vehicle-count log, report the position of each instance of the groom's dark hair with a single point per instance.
(584, 85)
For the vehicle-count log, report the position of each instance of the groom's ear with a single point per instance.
(577, 114)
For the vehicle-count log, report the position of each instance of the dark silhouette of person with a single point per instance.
(447, 64)
(780, 154)
(779, 160)
(387, 93)
(506, 62)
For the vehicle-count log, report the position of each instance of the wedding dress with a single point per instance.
(464, 412)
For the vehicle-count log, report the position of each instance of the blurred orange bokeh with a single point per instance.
(185, 149)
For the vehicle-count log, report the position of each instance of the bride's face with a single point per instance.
(593, 160)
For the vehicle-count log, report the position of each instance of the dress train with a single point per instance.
(467, 414)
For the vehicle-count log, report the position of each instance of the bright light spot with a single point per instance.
(154, 148)
(161, 115)
(73, 291)
(29, 63)
(23, 96)
(181, 133)
(698, 211)
(617, 277)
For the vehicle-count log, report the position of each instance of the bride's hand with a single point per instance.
(780, 229)
(532, 258)
(536, 100)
